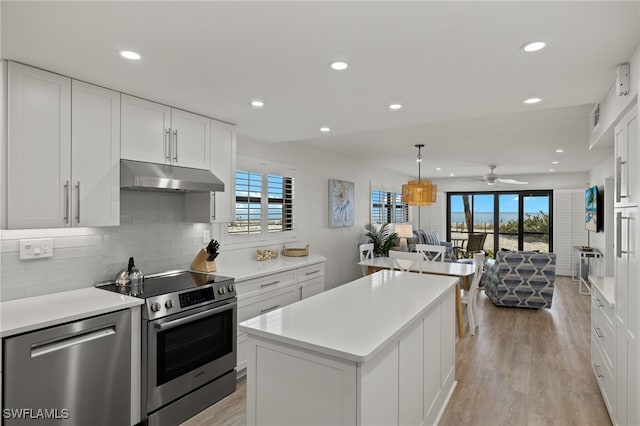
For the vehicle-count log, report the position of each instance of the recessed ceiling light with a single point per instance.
(555, 162)
(534, 46)
(438, 168)
(130, 54)
(551, 170)
(257, 103)
(531, 101)
(325, 129)
(559, 150)
(451, 174)
(395, 107)
(339, 65)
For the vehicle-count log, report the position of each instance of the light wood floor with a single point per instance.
(523, 367)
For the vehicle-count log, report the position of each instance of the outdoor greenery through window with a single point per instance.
(512, 220)
(387, 206)
(264, 203)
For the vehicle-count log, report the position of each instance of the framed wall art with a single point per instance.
(341, 203)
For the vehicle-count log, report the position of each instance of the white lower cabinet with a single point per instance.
(269, 292)
(603, 348)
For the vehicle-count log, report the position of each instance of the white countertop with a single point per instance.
(606, 287)
(429, 267)
(32, 313)
(253, 268)
(356, 320)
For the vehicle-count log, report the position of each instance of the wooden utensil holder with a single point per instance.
(201, 264)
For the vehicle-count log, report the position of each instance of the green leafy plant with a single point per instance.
(383, 239)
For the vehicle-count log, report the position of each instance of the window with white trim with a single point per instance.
(387, 205)
(264, 201)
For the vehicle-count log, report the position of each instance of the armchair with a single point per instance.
(521, 279)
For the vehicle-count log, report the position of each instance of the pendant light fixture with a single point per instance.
(419, 192)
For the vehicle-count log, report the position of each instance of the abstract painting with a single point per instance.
(341, 203)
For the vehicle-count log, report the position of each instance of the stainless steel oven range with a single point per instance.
(188, 343)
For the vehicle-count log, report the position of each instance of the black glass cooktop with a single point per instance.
(167, 283)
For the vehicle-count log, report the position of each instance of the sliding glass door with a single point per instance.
(511, 220)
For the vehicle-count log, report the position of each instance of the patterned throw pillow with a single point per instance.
(432, 238)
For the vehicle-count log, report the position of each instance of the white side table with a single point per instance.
(585, 256)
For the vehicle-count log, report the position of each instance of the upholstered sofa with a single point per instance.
(431, 237)
(521, 279)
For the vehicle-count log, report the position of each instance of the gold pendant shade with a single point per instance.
(419, 192)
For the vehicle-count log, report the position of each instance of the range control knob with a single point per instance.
(222, 290)
(231, 287)
(169, 304)
(155, 307)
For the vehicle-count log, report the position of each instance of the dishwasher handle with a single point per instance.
(68, 341)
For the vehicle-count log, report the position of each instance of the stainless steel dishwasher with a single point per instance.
(73, 374)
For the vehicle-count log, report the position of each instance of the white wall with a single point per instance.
(315, 168)
(602, 176)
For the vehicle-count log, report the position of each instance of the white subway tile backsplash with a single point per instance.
(152, 230)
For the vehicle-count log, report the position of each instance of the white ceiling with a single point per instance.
(456, 67)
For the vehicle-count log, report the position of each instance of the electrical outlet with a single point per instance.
(36, 248)
(206, 236)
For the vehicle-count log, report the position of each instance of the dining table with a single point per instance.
(464, 272)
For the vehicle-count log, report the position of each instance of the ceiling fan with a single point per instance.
(493, 178)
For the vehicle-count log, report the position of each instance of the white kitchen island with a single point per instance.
(377, 350)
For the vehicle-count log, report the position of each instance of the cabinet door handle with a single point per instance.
(313, 272)
(270, 284)
(619, 164)
(269, 309)
(175, 143)
(78, 204)
(598, 373)
(213, 200)
(66, 202)
(167, 145)
(619, 218)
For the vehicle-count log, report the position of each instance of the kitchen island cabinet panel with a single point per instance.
(378, 327)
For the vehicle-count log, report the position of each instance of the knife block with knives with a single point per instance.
(205, 259)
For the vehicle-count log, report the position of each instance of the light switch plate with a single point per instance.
(36, 248)
(206, 236)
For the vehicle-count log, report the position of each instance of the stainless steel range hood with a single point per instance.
(163, 177)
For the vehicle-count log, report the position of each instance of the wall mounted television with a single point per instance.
(593, 218)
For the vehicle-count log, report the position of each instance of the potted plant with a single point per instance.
(383, 238)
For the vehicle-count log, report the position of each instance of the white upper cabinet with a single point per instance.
(191, 139)
(217, 206)
(146, 130)
(627, 159)
(39, 148)
(95, 155)
(63, 162)
(157, 133)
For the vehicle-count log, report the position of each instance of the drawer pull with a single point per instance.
(313, 272)
(598, 373)
(269, 309)
(270, 284)
(598, 332)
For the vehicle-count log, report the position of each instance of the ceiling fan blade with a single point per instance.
(512, 181)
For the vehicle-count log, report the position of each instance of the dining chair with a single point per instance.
(431, 253)
(406, 261)
(470, 297)
(366, 253)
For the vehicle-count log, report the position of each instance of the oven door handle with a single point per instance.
(190, 318)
